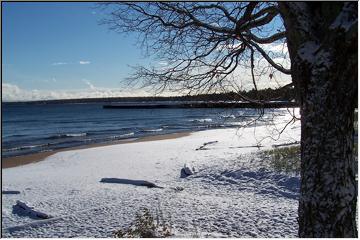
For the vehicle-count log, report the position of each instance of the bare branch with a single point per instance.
(252, 68)
(263, 53)
(254, 21)
(202, 43)
(267, 40)
(196, 21)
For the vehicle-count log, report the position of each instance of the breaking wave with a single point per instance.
(26, 147)
(152, 130)
(67, 135)
(202, 120)
(121, 136)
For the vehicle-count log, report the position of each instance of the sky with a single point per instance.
(59, 50)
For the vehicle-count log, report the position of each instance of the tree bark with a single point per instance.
(322, 43)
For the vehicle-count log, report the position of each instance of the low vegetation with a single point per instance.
(287, 159)
(146, 226)
(284, 159)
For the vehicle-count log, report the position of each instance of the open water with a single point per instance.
(30, 128)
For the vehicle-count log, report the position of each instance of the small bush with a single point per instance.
(284, 159)
(145, 226)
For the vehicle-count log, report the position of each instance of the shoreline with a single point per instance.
(16, 161)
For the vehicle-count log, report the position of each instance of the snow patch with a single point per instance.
(307, 51)
(347, 17)
(312, 53)
(228, 196)
(257, 181)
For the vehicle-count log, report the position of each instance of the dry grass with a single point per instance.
(284, 159)
(145, 226)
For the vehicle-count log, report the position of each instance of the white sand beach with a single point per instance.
(230, 194)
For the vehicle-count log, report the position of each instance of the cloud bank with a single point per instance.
(13, 93)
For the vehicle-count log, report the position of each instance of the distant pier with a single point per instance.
(201, 105)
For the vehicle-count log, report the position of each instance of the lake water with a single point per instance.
(31, 128)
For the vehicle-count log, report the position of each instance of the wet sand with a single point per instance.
(37, 157)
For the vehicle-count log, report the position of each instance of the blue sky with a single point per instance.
(61, 46)
(59, 50)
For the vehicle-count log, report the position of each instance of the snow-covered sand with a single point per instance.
(230, 195)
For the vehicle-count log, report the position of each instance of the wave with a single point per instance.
(67, 135)
(175, 127)
(75, 134)
(202, 120)
(152, 130)
(217, 125)
(127, 134)
(25, 147)
(13, 135)
(121, 136)
(231, 116)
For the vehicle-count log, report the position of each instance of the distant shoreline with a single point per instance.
(266, 95)
(203, 105)
(16, 161)
(155, 103)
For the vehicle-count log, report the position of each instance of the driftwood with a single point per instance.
(205, 144)
(10, 192)
(22, 209)
(131, 182)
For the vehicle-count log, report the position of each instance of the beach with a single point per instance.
(36, 157)
(227, 119)
(231, 192)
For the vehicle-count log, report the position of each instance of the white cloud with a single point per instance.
(91, 86)
(280, 48)
(81, 62)
(163, 63)
(48, 80)
(59, 63)
(11, 93)
(241, 79)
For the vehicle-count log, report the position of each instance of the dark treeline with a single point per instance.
(284, 94)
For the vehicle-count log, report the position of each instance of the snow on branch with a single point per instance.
(347, 17)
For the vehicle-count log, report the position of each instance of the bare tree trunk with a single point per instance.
(324, 65)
